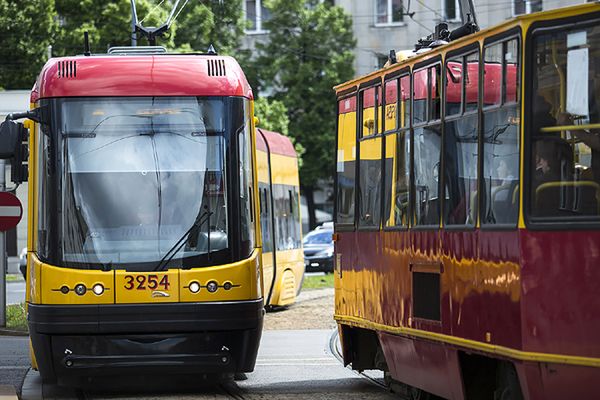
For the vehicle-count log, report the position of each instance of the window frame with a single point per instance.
(537, 28)
(258, 21)
(458, 17)
(342, 96)
(514, 33)
(398, 75)
(379, 104)
(462, 53)
(390, 18)
(425, 65)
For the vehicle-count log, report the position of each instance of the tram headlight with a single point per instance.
(98, 289)
(80, 289)
(212, 286)
(194, 287)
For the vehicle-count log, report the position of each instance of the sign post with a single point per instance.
(3, 260)
(11, 212)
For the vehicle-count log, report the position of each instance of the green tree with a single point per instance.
(26, 30)
(273, 116)
(197, 25)
(308, 51)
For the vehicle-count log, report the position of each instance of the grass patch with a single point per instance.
(16, 318)
(13, 277)
(318, 281)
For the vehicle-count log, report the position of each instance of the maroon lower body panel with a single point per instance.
(541, 381)
(426, 365)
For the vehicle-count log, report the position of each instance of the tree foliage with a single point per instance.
(26, 30)
(309, 50)
(273, 116)
(28, 27)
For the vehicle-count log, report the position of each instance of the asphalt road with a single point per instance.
(14, 360)
(292, 364)
(15, 292)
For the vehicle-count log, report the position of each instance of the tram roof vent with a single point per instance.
(216, 67)
(67, 69)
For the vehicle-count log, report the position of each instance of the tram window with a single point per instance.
(346, 161)
(391, 105)
(460, 170)
(266, 221)
(369, 118)
(564, 178)
(246, 184)
(404, 102)
(287, 223)
(492, 75)
(511, 58)
(454, 86)
(501, 166)
(471, 96)
(420, 96)
(369, 184)
(43, 222)
(435, 96)
(427, 142)
(397, 179)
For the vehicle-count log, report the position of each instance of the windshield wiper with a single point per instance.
(200, 220)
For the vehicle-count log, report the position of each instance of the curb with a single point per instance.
(8, 392)
(10, 332)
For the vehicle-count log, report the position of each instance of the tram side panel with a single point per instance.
(285, 219)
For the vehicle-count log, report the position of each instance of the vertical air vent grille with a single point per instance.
(67, 69)
(216, 67)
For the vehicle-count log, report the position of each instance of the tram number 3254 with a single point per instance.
(143, 282)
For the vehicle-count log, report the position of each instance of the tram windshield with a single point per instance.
(138, 174)
(565, 136)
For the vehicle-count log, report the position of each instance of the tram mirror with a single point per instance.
(577, 81)
(9, 135)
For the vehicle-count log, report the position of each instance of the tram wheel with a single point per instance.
(507, 383)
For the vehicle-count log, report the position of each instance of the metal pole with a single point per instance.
(133, 22)
(3, 260)
(49, 51)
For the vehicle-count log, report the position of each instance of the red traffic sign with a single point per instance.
(11, 211)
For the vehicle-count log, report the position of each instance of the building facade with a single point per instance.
(382, 25)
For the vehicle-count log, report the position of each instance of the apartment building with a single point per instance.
(382, 25)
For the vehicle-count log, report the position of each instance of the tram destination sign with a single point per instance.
(11, 211)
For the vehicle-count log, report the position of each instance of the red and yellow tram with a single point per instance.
(144, 244)
(468, 214)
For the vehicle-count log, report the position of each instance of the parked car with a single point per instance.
(23, 262)
(318, 249)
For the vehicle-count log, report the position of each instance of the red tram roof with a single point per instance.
(278, 143)
(141, 75)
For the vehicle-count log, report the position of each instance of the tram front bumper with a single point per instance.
(76, 341)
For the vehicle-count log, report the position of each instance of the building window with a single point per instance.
(256, 15)
(526, 6)
(451, 10)
(388, 12)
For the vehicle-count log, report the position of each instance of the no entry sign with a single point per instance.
(11, 211)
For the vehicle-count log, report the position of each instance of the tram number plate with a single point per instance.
(143, 282)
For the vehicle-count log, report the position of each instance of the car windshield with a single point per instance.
(139, 172)
(320, 237)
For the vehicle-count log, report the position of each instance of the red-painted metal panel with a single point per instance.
(278, 144)
(144, 75)
(560, 281)
(428, 366)
(347, 105)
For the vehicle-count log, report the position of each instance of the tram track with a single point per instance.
(334, 340)
(231, 390)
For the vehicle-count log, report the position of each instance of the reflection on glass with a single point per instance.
(565, 148)
(427, 144)
(139, 173)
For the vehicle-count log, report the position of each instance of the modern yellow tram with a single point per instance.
(281, 228)
(144, 241)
